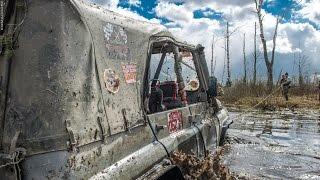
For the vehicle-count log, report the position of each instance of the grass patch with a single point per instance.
(247, 95)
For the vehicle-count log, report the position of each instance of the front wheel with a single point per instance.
(222, 136)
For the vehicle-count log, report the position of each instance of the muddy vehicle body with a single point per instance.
(75, 90)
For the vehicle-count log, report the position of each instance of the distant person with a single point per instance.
(285, 84)
(282, 81)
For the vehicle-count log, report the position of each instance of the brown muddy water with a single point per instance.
(274, 145)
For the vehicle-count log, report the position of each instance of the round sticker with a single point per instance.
(111, 80)
(192, 85)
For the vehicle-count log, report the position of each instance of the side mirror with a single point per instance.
(213, 84)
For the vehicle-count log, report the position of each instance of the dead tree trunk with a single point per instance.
(274, 41)
(302, 65)
(244, 59)
(255, 55)
(300, 71)
(229, 83)
(224, 60)
(269, 63)
(212, 71)
(215, 64)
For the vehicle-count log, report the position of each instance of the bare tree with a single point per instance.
(212, 71)
(302, 63)
(255, 55)
(226, 47)
(215, 64)
(279, 77)
(224, 61)
(244, 59)
(269, 63)
(228, 83)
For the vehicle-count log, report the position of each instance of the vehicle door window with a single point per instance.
(190, 77)
(172, 83)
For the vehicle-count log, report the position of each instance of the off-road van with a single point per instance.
(88, 93)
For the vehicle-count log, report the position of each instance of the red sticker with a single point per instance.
(175, 122)
(130, 73)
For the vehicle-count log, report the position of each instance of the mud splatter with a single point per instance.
(207, 168)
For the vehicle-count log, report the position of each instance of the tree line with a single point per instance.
(300, 60)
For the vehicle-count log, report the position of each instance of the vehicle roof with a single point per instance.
(148, 28)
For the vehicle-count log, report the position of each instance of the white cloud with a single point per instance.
(283, 45)
(292, 37)
(310, 9)
(208, 13)
(113, 6)
(135, 2)
(173, 12)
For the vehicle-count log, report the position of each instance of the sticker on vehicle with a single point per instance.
(175, 122)
(111, 80)
(116, 40)
(130, 73)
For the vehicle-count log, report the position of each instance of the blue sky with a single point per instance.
(146, 9)
(283, 8)
(196, 21)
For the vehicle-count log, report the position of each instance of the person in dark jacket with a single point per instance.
(285, 83)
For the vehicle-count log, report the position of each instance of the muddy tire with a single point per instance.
(222, 136)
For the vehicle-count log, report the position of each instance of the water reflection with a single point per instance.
(282, 145)
(267, 128)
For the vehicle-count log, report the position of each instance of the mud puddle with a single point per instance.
(274, 145)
